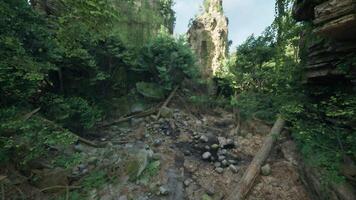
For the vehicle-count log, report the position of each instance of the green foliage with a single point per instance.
(24, 140)
(267, 76)
(151, 170)
(207, 102)
(348, 64)
(254, 62)
(168, 14)
(24, 47)
(250, 105)
(325, 131)
(141, 20)
(150, 90)
(94, 180)
(96, 62)
(74, 113)
(68, 161)
(167, 61)
(261, 67)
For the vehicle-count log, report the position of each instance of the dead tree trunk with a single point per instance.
(253, 170)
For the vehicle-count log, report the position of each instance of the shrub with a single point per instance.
(24, 140)
(168, 61)
(325, 131)
(24, 48)
(74, 113)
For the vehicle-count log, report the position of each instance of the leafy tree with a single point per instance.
(25, 48)
(168, 61)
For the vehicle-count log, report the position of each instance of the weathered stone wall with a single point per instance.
(138, 21)
(334, 40)
(208, 36)
(329, 48)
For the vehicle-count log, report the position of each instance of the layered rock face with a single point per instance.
(333, 47)
(208, 36)
(330, 60)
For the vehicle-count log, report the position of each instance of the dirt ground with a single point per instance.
(196, 178)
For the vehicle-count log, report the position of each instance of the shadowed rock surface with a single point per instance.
(333, 40)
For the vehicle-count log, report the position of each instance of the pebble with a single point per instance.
(187, 182)
(221, 158)
(206, 155)
(157, 142)
(85, 171)
(92, 160)
(81, 167)
(207, 147)
(232, 162)
(135, 122)
(217, 164)
(266, 170)
(156, 156)
(123, 197)
(233, 168)
(230, 143)
(220, 170)
(187, 153)
(163, 190)
(203, 138)
(224, 163)
(215, 146)
(79, 148)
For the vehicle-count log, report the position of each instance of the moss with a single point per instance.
(140, 20)
(132, 169)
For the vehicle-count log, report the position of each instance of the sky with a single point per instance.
(246, 17)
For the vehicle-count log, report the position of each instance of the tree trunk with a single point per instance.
(253, 170)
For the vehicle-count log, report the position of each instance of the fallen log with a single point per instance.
(250, 175)
(125, 119)
(29, 115)
(165, 104)
(80, 139)
(59, 187)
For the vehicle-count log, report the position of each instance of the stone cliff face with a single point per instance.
(329, 55)
(208, 36)
(329, 58)
(138, 21)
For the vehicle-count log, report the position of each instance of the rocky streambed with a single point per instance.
(198, 158)
(180, 156)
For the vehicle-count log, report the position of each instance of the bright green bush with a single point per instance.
(167, 61)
